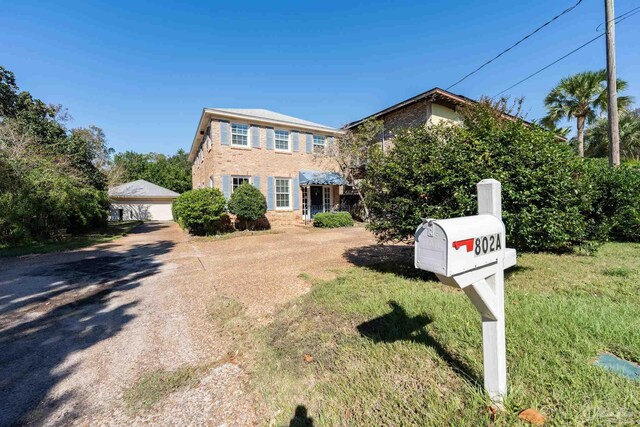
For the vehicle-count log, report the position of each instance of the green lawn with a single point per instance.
(391, 348)
(113, 231)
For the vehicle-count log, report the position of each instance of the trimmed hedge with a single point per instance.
(248, 204)
(333, 220)
(201, 211)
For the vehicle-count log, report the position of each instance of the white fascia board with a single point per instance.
(262, 120)
(209, 113)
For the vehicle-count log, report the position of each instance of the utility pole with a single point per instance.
(614, 136)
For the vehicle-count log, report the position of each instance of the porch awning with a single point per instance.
(321, 178)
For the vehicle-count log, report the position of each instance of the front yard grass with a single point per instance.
(111, 232)
(385, 345)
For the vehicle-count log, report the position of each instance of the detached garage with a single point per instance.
(141, 200)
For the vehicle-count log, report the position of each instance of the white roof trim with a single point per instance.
(253, 119)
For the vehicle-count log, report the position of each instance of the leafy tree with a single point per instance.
(42, 196)
(352, 151)
(172, 172)
(432, 173)
(581, 97)
(51, 178)
(8, 93)
(248, 204)
(597, 136)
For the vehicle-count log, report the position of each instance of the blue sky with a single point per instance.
(143, 71)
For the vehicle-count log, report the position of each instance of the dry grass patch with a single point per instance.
(234, 235)
(155, 386)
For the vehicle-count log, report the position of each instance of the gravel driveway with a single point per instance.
(79, 328)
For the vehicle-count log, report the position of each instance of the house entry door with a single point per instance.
(316, 204)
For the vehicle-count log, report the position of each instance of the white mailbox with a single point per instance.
(452, 246)
(470, 253)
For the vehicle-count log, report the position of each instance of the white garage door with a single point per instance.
(157, 210)
(160, 211)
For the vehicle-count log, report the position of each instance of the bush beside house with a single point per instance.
(552, 201)
(201, 211)
(333, 220)
(249, 205)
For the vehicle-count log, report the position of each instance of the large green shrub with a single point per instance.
(614, 209)
(332, 220)
(433, 173)
(43, 198)
(200, 211)
(248, 204)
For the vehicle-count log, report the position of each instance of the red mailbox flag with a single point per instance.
(468, 243)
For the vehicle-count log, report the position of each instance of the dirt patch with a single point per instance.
(264, 272)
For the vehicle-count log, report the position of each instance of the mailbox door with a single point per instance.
(431, 248)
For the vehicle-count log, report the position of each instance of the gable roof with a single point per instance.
(257, 116)
(437, 95)
(141, 189)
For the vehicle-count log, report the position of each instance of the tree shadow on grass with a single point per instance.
(396, 259)
(397, 325)
(52, 313)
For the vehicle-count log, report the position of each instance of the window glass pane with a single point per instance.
(318, 142)
(240, 134)
(282, 193)
(282, 140)
(237, 181)
(327, 199)
(305, 205)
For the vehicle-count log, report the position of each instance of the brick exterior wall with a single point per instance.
(421, 113)
(221, 160)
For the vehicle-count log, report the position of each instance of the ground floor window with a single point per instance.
(237, 181)
(211, 181)
(283, 193)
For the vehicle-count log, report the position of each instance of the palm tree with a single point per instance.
(597, 136)
(582, 97)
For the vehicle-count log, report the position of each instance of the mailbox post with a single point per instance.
(470, 253)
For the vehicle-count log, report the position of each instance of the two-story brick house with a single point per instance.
(278, 154)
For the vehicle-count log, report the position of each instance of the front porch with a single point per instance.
(320, 192)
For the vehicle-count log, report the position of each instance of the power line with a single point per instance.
(516, 44)
(621, 16)
(553, 63)
(617, 20)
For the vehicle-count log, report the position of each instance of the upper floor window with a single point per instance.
(282, 140)
(237, 181)
(240, 135)
(318, 143)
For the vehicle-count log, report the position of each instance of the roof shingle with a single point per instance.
(141, 189)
